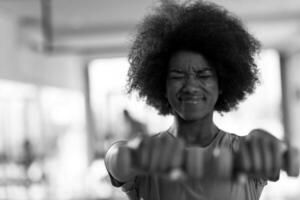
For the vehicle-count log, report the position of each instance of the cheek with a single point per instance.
(213, 86)
(170, 95)
(216, 95)
(215, 91)
(171, 92)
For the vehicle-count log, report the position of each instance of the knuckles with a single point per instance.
(159, 154)
(260, 154)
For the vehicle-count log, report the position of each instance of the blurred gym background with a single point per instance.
(62, 101)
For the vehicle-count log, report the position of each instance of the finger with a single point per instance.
(155, 149)
(277, 162)
(144, 154)
(199, 163)
(267, 158)
(223, 160)
(194, 162)
(165, 153)
(177, 151)
(243, 159)
(255, 156)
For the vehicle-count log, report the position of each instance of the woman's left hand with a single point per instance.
(261, 154)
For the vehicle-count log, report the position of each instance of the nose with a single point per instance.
(191, 85)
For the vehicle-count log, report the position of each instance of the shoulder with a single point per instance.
(163, 134)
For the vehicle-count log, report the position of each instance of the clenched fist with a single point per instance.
(159, 154)
(262, 155)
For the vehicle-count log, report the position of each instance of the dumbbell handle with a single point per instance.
(291, 162)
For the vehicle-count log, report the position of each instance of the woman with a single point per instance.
(189, 60)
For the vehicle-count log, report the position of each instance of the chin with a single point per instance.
(192, 116)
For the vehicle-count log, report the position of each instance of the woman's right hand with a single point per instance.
(159, 154)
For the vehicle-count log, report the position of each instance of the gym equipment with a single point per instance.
(201, 163)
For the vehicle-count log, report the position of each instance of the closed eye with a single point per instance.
(176, 75)
(205, 74)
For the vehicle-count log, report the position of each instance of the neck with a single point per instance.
(200, 132)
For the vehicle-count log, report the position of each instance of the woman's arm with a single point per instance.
(263, 155)
(118, 161)
(157, 155)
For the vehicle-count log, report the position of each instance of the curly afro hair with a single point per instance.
(201, 27)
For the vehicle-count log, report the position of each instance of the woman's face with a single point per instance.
(192, 86)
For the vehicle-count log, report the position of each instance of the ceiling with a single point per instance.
(99, 26)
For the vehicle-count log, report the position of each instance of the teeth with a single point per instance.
(192, 101)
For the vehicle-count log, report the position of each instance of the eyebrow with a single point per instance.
(176, 70)
(198, 71)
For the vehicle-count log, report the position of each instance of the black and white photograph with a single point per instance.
(149, 100)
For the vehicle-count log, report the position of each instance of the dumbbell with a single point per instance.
(198, 163)
(226, 164)
(291, 162)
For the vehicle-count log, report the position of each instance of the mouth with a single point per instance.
(192, 99)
